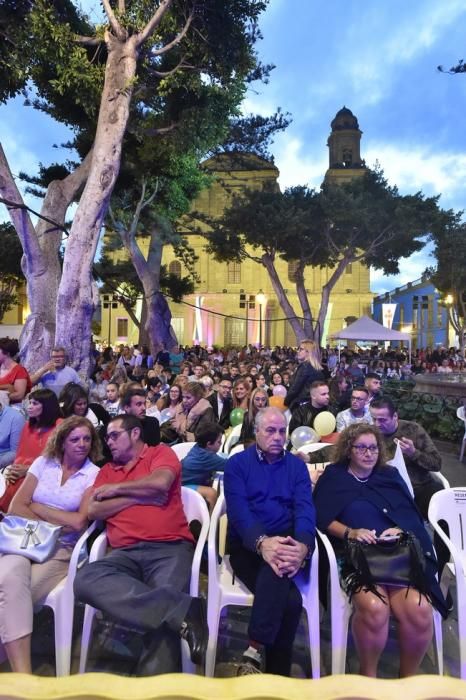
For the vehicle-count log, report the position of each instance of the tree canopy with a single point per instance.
(449, 275)
(364, 220)
(150, 69)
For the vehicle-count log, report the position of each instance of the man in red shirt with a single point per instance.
(143, 581)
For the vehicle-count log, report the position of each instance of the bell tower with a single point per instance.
(344, 144)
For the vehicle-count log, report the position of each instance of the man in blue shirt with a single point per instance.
(272, 535)
(56, 373)
(11, 425)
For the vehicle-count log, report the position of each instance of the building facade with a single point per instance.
(234, 303)
(418, 310)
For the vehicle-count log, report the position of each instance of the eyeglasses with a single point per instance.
(361, 449)
(358, 398)
(114, 435)
(225, 386)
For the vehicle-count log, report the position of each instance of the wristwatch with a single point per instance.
(346, 533)
(258, 543)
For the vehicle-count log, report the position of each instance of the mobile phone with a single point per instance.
(388, 538)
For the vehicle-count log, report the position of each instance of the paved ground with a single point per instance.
(116, 650)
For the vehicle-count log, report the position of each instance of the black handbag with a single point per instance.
(394, 563)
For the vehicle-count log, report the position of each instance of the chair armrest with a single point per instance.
(457, 555)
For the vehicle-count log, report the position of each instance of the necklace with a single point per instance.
(361, 481)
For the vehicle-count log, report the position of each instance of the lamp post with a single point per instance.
(448, 302)
(261, 299)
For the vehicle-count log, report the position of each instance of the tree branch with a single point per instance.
(154, 21)
(87, 40)
(177, 39)
(19, 217)
(117, 29)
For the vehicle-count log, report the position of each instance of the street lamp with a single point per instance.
(448, 303)
(261, 299)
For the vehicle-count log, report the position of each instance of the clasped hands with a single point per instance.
(284, 555)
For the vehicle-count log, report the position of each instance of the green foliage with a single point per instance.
(10, 268)
(436, 414)
(449, 275)
(363, 219)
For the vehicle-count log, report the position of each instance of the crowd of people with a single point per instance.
(74, 450)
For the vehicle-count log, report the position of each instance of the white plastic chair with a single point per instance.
(461, 414)
(225, 589)
(232, 438)
(235, 449)
(340, 613)
(61, 600)
(195, 508)
(450, 505)
(182, 449)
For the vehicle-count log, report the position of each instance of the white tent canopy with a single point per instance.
(367, 329)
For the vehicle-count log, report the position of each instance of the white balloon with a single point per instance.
(302, 435)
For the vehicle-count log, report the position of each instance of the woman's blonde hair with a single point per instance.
(252, 410)
(342, 451)
(313, 352)
(54, 448)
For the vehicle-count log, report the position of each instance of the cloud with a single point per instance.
(379, 54)
(411, 269)
(414, 168)
(298, 167)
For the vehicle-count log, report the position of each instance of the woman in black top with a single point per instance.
(309, 370)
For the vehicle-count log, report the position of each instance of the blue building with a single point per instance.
(418, 311)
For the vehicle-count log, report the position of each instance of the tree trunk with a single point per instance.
(77, 298)
(325, 296)
(158, 324)
(41, 263)
(308, 328)
(268, 263)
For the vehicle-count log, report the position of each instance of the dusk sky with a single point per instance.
(377, 57)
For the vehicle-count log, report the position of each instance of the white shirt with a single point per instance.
(50, 491)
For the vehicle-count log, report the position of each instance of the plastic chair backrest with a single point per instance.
(182, 449)
(450, 505)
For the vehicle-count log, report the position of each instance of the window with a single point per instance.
(122, 327)
(349, 269)
(174, 268)
(234, 273)
(292, 270)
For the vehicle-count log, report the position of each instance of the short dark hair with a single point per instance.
(209, 433)
(9, 346)
(384, 402)
(50, 408)
(128, 422)
(128, 394)
(372, 375)
(317, 383)
(359, 387)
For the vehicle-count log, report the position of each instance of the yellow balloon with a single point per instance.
(324, 423)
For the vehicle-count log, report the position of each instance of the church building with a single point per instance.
(234, 303)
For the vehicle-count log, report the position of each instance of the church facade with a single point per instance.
(234, 304)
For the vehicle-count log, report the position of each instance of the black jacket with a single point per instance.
(224, 418)
(301, 382)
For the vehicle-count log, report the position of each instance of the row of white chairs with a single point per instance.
(224, 589)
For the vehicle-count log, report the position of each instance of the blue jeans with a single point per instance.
(144, 586)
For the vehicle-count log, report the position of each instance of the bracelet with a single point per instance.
(346, 533)
(258, 543)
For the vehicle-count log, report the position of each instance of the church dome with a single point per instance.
(344, 119)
